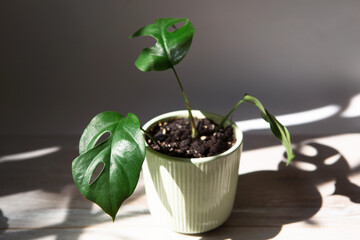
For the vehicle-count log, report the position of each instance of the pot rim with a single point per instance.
(200, 114)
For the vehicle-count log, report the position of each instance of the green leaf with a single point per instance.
(122, 155)
(277, 128)
(170, 48)
(100, 124)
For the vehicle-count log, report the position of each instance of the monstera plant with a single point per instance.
(122, 154)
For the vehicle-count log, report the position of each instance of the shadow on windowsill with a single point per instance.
(267, 200)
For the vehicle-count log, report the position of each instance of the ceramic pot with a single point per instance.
(192, 195)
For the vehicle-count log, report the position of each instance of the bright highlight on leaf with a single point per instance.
(122, 155)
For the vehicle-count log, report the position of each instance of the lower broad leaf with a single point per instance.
(122, 155)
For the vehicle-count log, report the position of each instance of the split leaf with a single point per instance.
(170, 48)
(121, 155)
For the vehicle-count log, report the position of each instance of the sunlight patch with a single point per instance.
(30, 154)
(353, 109)
(292, 119)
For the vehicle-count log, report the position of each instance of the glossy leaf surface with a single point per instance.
(99, 125)
(122, 155)
(170, 48)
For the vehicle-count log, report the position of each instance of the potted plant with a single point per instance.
(192, 157)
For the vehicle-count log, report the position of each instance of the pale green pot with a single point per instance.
(191, 195)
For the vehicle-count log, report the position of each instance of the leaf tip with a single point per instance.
(136, 34)
(112, 214)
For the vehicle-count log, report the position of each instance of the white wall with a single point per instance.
(62, 62)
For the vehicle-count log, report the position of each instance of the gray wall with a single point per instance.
(62, 62)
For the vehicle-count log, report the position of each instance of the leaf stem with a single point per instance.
(192, 122)
(151, 137)
(228, 115)
(276, 127)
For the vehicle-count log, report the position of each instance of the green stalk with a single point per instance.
(192, 122)
(228, 115)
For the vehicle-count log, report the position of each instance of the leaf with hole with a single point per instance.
(170, 48)
(102, 123)
(121, 155)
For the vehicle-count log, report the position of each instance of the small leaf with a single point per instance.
(277, 128)
(122, 155)
(170, 48)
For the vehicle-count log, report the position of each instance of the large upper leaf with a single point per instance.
(277, 128)
(170, 48)
(122, 155)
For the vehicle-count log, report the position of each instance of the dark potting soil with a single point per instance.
(175, 139)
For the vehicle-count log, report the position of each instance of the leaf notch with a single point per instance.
(170, 48)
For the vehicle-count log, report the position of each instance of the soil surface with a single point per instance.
(174, 136)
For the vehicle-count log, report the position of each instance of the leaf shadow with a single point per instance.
(256, 214)
(3, 223)
(268, 200)
(49, 174)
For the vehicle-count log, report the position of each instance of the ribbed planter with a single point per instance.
(191, 195)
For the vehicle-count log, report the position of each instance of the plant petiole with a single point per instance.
(192, 122)
(221, 125)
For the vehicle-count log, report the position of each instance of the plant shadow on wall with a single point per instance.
(267, 200)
